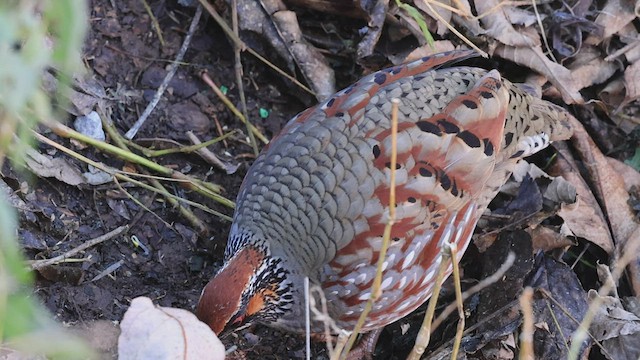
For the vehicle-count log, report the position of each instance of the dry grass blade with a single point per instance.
(375, 287)
(424, 335)
(458, 289)
(120, 175)
(154, 22)
(511, 258)
(456, 32)
(205, 77)
(207, 189)
(629, 254)
(526, 336)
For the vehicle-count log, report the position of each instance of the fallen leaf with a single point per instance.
(559, 300)
(90, 125)
(615, 15)
(252, 17)
(616, 328)
(629, 175)
(426, 50)
(589, 68)
(154, 332)
(376, 12)
(547, 239)
(497, 24)
(585, 218)
(47, 166)
(535, 59)
(608, 186)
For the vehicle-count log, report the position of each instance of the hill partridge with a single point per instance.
(316, 200)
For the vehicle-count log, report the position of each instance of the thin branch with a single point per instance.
(38, 264)
(165, 83)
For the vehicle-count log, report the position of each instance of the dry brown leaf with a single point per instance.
(154, 332)
(589, 68)
(585, 219)
(615, 16)
(48, 166)
(617, 329)
(466, 20)
(630, 176)
(498, 25)
(519, 16)
(557, 74)
(547, 239)
(608, 186)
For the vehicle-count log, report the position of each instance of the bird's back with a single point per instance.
(320, 192)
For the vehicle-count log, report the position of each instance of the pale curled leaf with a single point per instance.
(615, 15)
(557, 74)
(59, 168)
(607, 185)
(585, 218)
(154, 332)
(497, 25)
(589, 68)
(617, 328)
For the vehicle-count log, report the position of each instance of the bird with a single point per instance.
(315, 202)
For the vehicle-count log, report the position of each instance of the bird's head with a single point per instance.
(251, 285)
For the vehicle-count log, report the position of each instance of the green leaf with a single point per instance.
(417, 16)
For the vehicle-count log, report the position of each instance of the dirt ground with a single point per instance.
(126, 57)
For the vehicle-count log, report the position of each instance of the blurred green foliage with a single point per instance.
(35, 36)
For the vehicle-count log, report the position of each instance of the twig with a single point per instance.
(154, 22)
(453, 30)
(38, 264)
(183, 210)
(542, 32)
(220, 131)
(307, 318)
(526, 335)
(165, 83)
(181, 148)
(210, 157)
(568, 314)
(630, 254)
(111, 268)
(207, 79)
(236, 40)
(238, 70)
(377, 281)
(511, 258)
